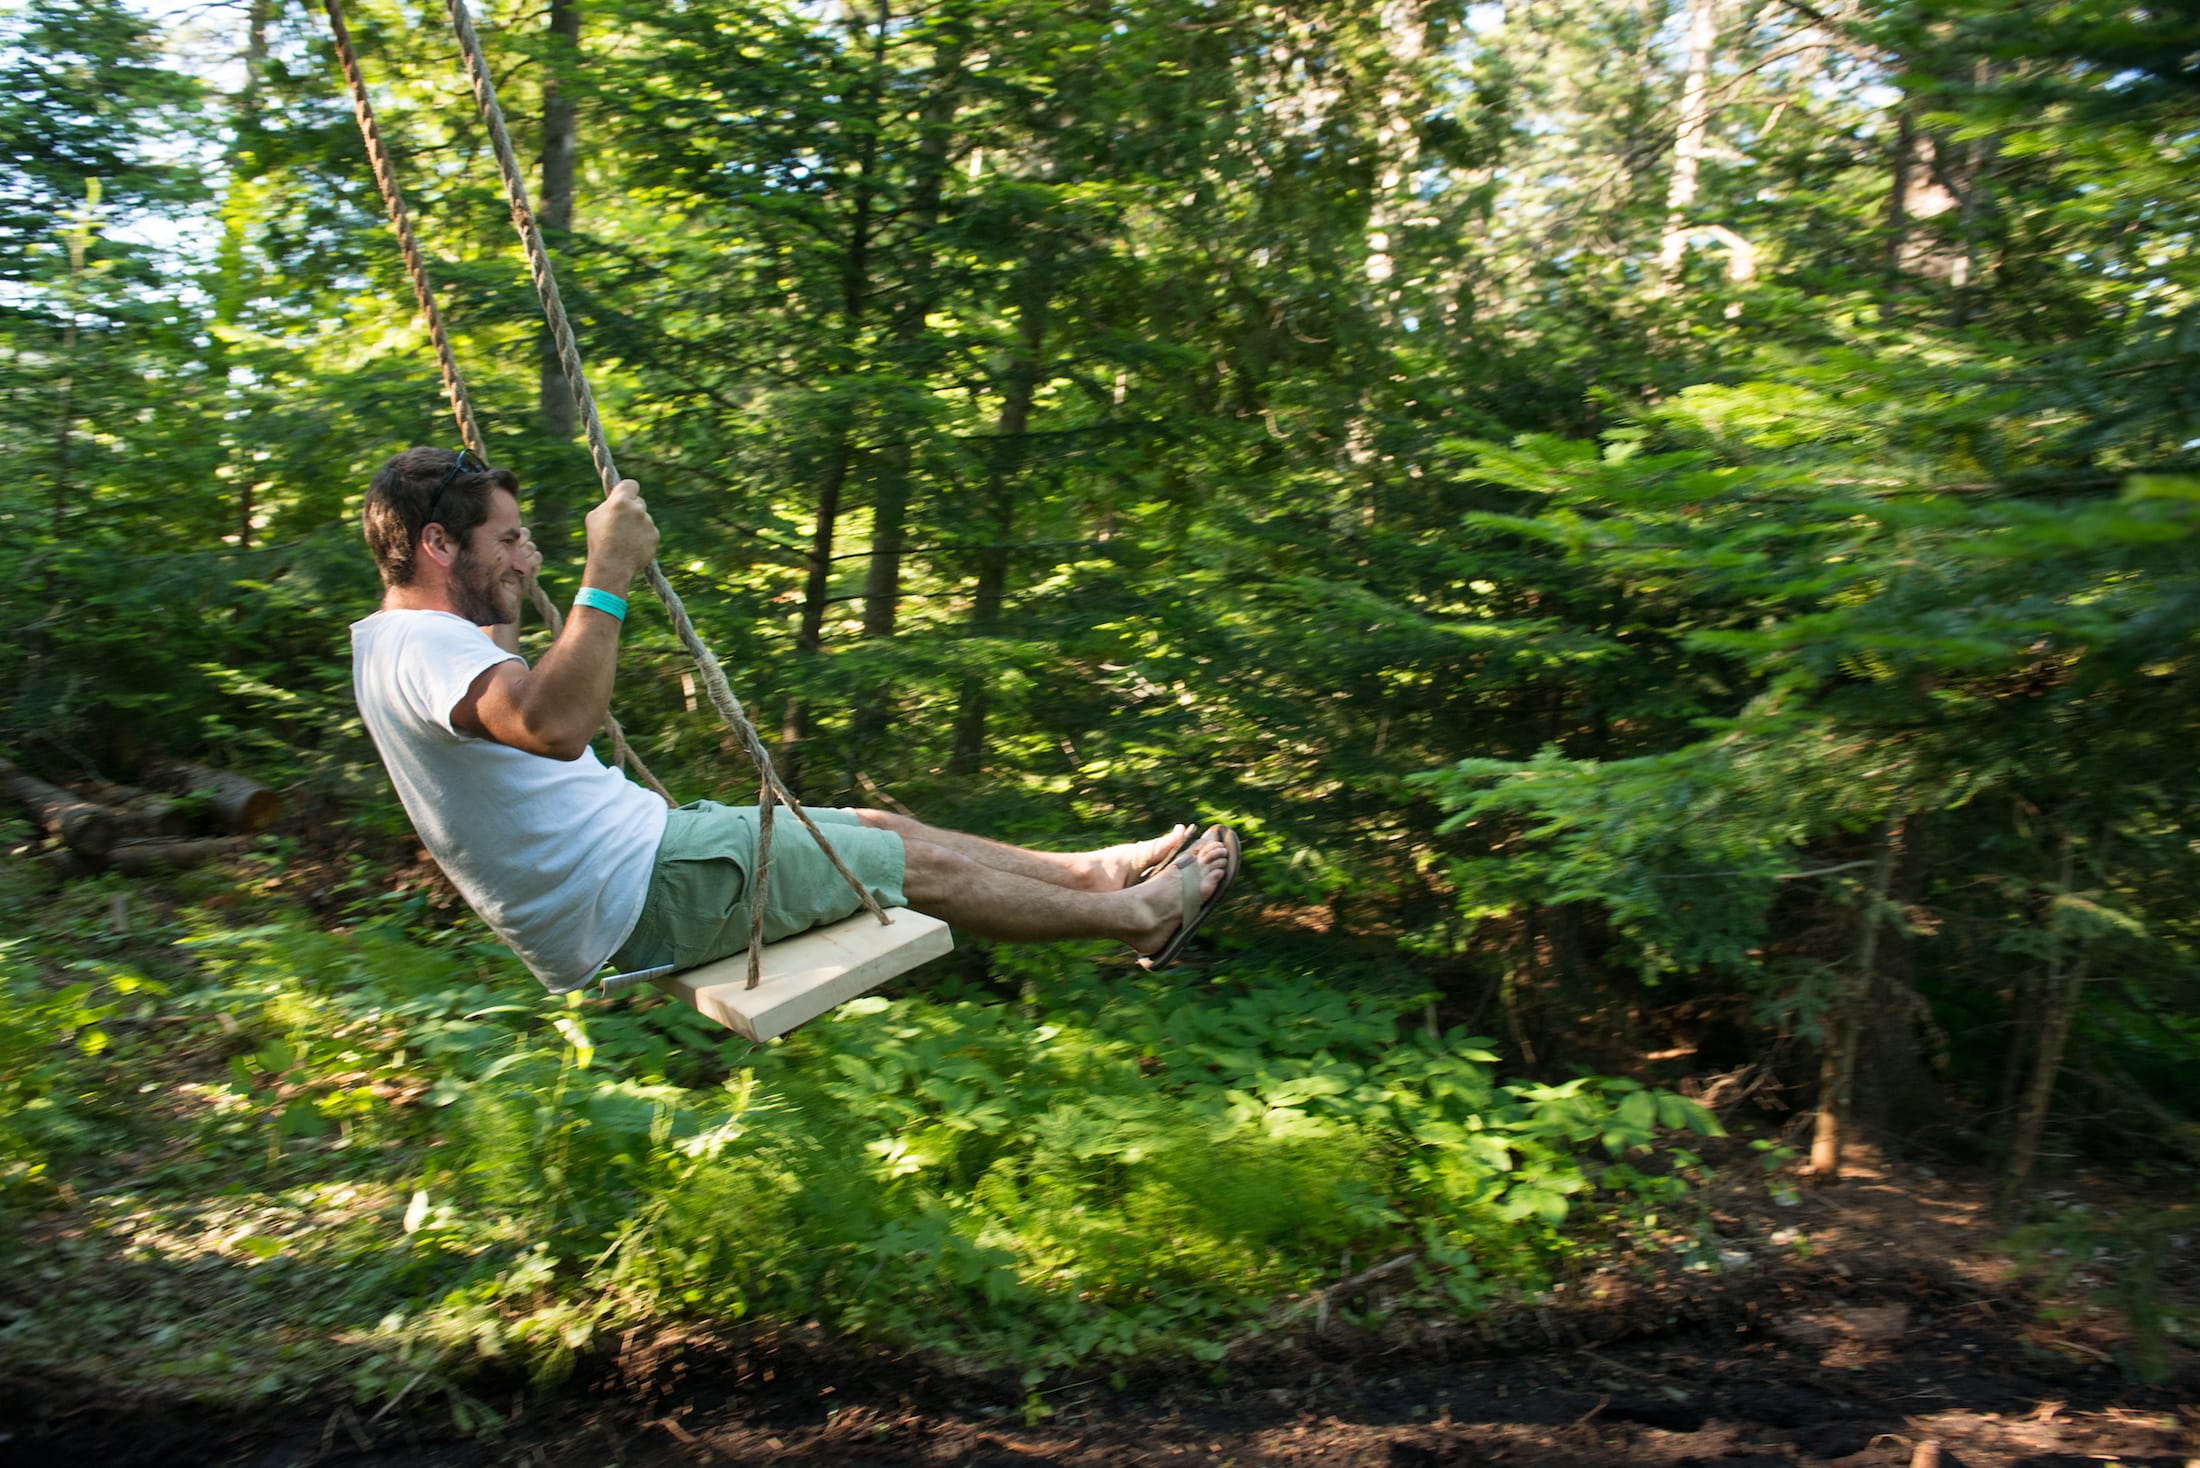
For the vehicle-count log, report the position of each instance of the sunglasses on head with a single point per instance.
(465, 463)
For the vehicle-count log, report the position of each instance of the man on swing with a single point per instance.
(575, 866)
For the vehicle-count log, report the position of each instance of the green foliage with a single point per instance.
(85, 105)
(1107, 1170)
(1111, 1172)
(1898, 651)
(56, 1043)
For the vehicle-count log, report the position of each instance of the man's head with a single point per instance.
(437, 506)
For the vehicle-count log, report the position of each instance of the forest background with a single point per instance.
(1667, 524)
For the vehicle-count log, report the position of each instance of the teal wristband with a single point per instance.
(601, 600)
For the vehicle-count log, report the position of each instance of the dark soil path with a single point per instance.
(1869, 1323)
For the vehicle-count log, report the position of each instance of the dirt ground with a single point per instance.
(1868, 1322)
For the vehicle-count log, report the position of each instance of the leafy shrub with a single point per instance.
(1111, 1168)
(52, 1040)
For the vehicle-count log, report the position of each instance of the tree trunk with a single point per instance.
(809, 634)
(77, 237)
(560, 156)
(560, 415)
(1397, 143)
(797, 724)
(232, 279)
(1006, 459)
(242, 804)
(1895, 1091)
(1837, 1065)
(144, 858)
(2024, 1022)
(230, 283)
(1688, 139)
(139, 812)
(1965, 280)
(2059, 993)
(891, 485)
(1928, 182)
(890, 499)
(64, 414)
(1402, 41)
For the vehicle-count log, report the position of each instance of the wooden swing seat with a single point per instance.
(807, 974)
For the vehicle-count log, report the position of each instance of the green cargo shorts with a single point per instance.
(698, 904)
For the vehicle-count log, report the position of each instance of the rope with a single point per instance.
(454, 385)
(393, 200)
(772, 790)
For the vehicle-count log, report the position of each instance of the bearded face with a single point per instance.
(485, 588)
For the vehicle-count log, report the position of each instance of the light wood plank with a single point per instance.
(810, 973)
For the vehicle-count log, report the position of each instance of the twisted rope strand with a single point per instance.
(569, 356)
(454, 384)
(393, 201)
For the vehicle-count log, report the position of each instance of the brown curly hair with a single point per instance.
(417, 488)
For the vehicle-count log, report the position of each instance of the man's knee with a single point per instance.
(930, 871)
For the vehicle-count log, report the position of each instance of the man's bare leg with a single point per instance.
(1105, 870)
(990, 902)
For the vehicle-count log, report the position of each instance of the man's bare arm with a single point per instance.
(556, 707)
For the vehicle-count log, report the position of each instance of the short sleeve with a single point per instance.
(448, 654)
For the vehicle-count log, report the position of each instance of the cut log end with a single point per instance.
(241, 804)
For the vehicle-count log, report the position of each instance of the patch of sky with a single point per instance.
(201, 38)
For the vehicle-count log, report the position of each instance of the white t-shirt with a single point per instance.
(554, 855)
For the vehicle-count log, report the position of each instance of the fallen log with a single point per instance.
(84, 826)
(139, 812)
(155, 815)
(145, 857)
(240, 803)
(69, 865)
(107, 792)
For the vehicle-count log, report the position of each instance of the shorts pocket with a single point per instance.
(706, 911)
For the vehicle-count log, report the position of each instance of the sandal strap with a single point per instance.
(1190, 899)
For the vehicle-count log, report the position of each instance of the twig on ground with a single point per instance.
(418, 1377)
(1320, 1303)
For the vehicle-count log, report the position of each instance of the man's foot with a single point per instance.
(1134, 861)
(1182, 894)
